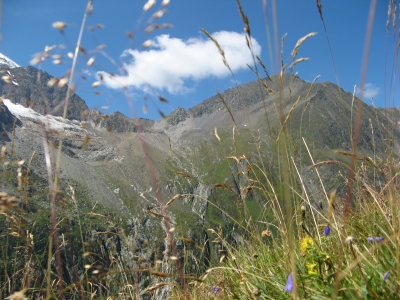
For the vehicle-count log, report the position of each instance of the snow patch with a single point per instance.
(4, 60)
(50, 121)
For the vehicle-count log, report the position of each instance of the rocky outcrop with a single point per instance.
(7, 122)
(178, 115)
(199, 201)
(28, 86)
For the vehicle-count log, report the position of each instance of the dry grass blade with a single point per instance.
(223, 186)
(162, 99)
(299, 60)
(156, 214)
(216, 134)
(264, 83)
(193, 278)
(129, 34)
(157, 286)
(100, 215)
(170, 146)
(229, 110)
(189, 241)
(299, 42)
(161, 114)
(287, 118)
(319, 5)
(221, 51)
(370, 160)
(82, 49)
(159, 274)
(183, 174)
(245, 20)
(263, 66)
(173, 199)
(325, 162)
(345, 153)
(233, 157)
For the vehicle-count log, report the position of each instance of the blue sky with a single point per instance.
(182, 65)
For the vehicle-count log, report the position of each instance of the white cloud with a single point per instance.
(171, 61)
(370, 91)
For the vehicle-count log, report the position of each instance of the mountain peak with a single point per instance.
(4, 60)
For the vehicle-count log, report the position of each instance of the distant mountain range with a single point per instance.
(113, 155)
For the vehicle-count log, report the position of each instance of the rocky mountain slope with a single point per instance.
(106, 161)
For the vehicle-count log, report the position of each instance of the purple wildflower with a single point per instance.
(377, 239)
(386, 276)
(327, 230)
(215, 289)
(289, 283)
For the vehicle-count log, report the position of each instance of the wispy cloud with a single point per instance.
(370, 91)
(170, 62)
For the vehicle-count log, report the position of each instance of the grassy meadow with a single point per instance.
(286, 246)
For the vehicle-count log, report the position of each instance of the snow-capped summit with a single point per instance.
(53, 122)
(4, 60)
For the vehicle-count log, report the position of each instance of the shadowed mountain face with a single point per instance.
(28, 86)
(7, 122)
(112, 166)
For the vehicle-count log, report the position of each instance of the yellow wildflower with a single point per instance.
(312, 268)
(306, 244)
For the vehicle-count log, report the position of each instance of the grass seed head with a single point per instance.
(149, 4)
(7, 202)
(62, 82)
(60, 26)
(96, 84)
(159, 14)
(299, 42)
(147, 44)
(129, 34)
(18, 296)
(6, 79)
(90, 61)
